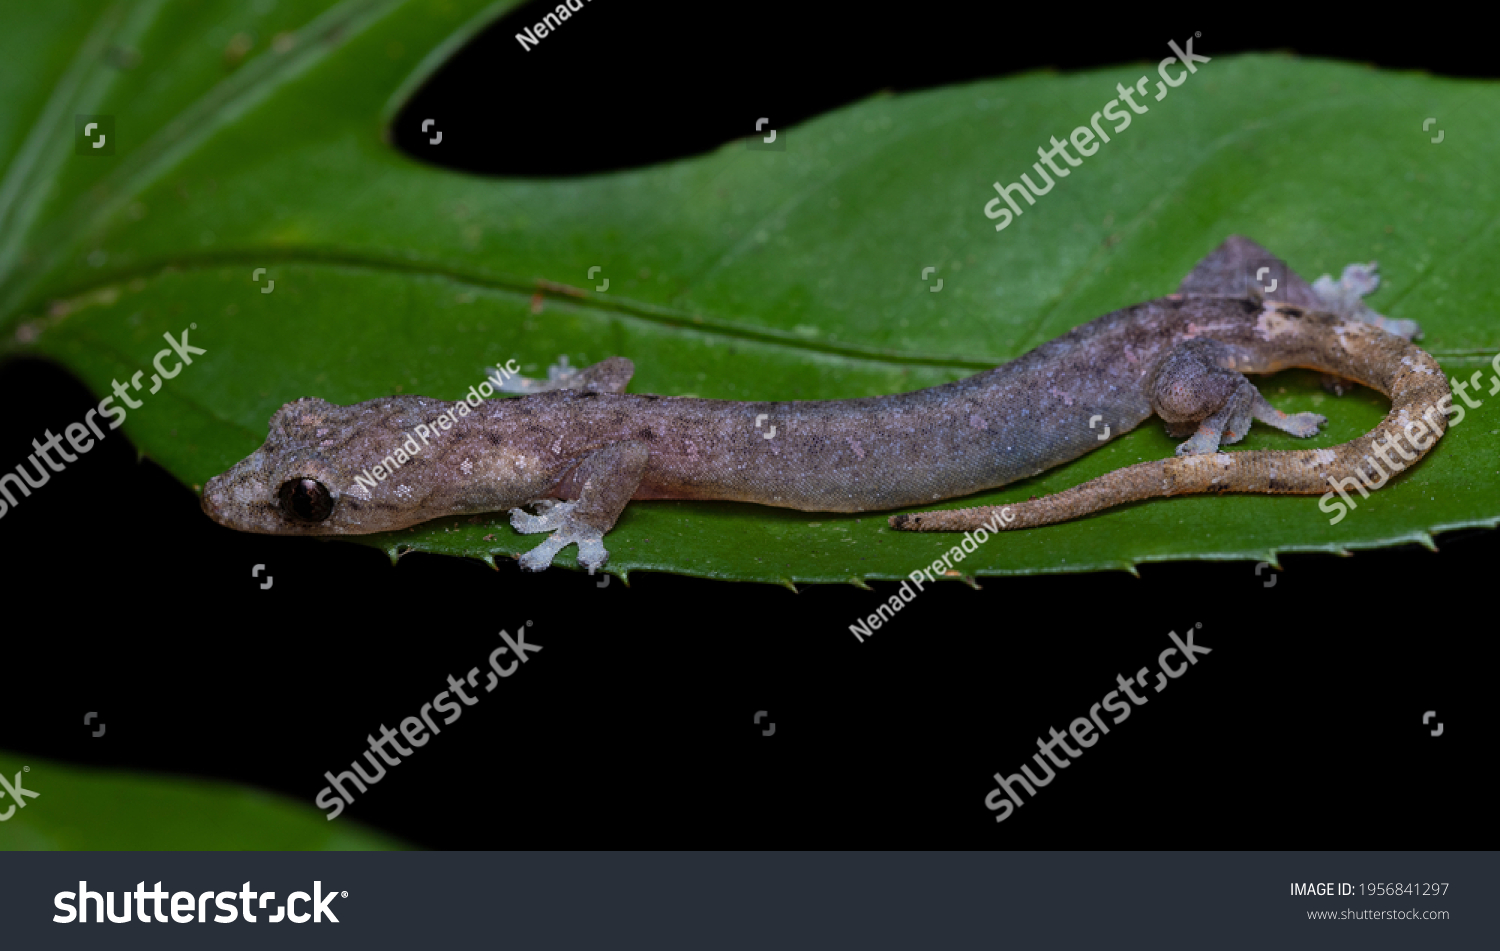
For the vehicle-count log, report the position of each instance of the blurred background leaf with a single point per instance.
(110, 809)
(250, 140)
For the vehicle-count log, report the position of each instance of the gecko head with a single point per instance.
(299, 482)
(262, 493)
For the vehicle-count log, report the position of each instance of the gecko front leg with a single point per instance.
(608, 478)
(606, 376)
(1197, 396)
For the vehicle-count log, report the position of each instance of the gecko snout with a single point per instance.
(212, 500)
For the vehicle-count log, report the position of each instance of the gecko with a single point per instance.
(576, 448)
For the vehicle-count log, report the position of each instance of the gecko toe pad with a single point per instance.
(1302, 425)
(1361, 278)
(559, 376)
(550, 518)
(557, 518)
(540, 557)
(1409, 329)
(1345, 297)
(591, 553)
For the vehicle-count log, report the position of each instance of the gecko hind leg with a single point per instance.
(1346, 298)
(609, 476)
(1234, 269)
(1193, 392)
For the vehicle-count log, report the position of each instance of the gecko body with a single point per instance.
(580, 448)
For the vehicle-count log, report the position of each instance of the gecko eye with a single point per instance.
(306, 500)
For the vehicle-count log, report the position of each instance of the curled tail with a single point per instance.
(1409, 376)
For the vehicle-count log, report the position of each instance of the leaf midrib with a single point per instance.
(562, 293)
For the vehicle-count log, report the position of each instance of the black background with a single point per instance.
(1302, 728)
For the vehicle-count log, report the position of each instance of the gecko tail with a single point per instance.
(1411, 378)
(1262, 471)
(1348, 467)
(1146, 480)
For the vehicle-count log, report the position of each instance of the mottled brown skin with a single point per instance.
(589, 443)
(1293, 338)
(1188, 384)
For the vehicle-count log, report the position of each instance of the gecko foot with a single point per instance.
(1198, 397)
(1301, 425)
(591, 553)
(610, 375)
(1345, 297)
(1358, 280)
(558, 518)
(559, 376)
(1227, 428)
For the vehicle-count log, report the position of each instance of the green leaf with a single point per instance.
(737, 274)
(107, 809)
